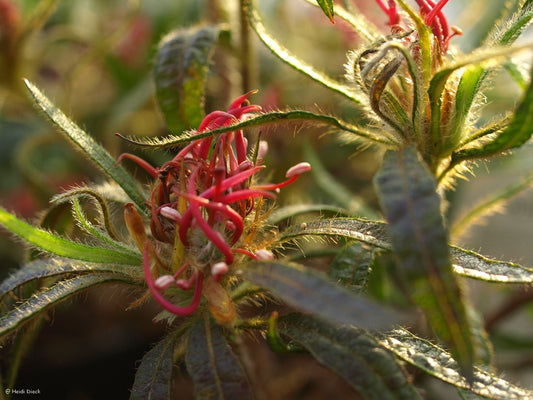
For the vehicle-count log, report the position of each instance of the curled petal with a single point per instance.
(167, 305)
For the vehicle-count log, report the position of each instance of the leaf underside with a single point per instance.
(353, 354)
(411, 206)
(214, 368)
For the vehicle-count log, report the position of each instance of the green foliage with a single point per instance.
(312, 292)
(213, 366)
(411, 206)
(353, 354)
(317, 264)
(180, 72)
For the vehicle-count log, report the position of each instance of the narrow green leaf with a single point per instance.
(266, 119)
(439, 364)
(409, 201)
(313, 292)
(373, 233)
(153, 379)
(354, 355)
(515, 135)
(472, 79)
(89, 146)
(327, 7)
(285, 55)
(180, 71)
(214, 368)
(52, 296)
(63, 247)
(472, 265)
(466, 263)
(352, 266)
(294, 210)
(56, 267)
(467, 88)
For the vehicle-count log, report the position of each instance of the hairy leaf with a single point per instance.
(180, 71)
(153, 379)
(52, 296)
(373, 233)
(515, 135)
(327, 7)
(266, 119)
(214, 368)
(63, 247)
(472, 78)
(88, 145)
(56, 267)
(352, 266)
(438, 363)
(313, 292)
(409, 201)
(287, 212)
(476, 266)
(353, 354)
(284, 55)
(466, 90)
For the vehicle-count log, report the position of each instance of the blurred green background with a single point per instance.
(94, 59)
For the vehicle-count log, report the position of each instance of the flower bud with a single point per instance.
(264, 254)
(298, 169)
(164, 282)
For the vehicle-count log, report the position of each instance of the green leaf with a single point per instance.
(476, 266)
(467, 89)
(436, 362)
(63, 247)
(472, 79)
(466, 263)
(285, 55)
(214, 368)
(294, 210)
(313, 292)
(354, 355)
(515, 135)
(52, 296)
(56, 267)
(352, 266)
(89, 146)
(180, 72)
(153, 379)
(373, 233)
(409, 201)
(266, 119)
(327, 7)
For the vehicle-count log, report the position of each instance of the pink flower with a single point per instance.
(199, 205)
(433, 17)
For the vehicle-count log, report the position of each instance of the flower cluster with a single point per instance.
(200, 204)
(432, 15)
(396, 76)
